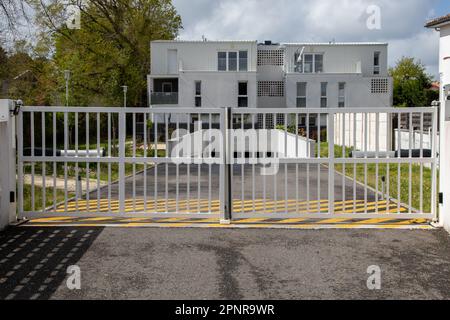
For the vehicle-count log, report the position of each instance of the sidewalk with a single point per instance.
(60, 183)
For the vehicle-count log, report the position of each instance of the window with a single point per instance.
(222, 61)
(376, 63)
(301, 94)
(243, 61)
(167, 87)
(323, 94)
(232, 61)
(198, 93)
(318, 63)
(341, 95)
(310, 63)
(242, 95)
(228, 61)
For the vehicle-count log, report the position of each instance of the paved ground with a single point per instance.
(223, 263)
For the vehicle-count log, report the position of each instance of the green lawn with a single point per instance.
(27, 204)
(82, 167)
(391, 178)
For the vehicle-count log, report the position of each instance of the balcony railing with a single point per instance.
(164, 98)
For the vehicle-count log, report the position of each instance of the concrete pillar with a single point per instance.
(444, 158)
(7, 164)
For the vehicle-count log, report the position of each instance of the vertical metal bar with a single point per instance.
(296, 165)
(66, 136)
(20, 161)
(242, 165)
(410, 162)
(319, 138)
(285, 165)
(199, 169)
(98, 163)
(44, 171)
(188, 166)
(32, 163)
(275, 176)
(54, 162)
(109, 164)
(255, 149)
(167, 123)
(365, 156)
(264, 176)
(77, 173)
(399, 151)
(209, 167)
(421, 164)
(344, 118)
(308, 207)
(177, 170)
(88, 173)
(223, 198)
(377, 155)
(355, 119)
(145, 162)
(133, 119)
(121, 182)
(330, 138)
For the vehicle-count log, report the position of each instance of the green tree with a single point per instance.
(411, 83)
(111, 49)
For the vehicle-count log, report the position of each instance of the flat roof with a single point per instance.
(278, 44)
(438, 22)
(201, 41)
(336, 44)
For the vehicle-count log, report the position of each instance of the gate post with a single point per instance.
(122, 138)
(226, 202)
(331, 168)
(8, 164)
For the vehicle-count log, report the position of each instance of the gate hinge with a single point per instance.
(441, 198)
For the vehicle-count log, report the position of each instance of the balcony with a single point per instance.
(164, 98)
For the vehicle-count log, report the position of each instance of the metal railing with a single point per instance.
(164, 98)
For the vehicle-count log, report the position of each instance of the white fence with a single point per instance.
(418, 139)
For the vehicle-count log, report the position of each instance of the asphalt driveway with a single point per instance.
(149, 263)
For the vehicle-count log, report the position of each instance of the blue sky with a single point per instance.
(402, 23)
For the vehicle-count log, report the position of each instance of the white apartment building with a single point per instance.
(215, 74)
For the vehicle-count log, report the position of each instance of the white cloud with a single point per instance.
(315, 20)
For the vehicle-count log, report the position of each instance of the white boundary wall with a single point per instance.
(351, 133)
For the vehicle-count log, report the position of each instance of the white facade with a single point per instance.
(329, 75)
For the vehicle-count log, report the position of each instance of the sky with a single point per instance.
(401, 23)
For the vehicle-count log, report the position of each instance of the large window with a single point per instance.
(232, 61)
(242, 94)
(341, 95)
(323, 94)
(243, 61)
(376, 63)
(301, 94)
(198, 93)
(222, 61)
(310, 63)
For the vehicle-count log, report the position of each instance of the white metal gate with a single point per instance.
(336, 163)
